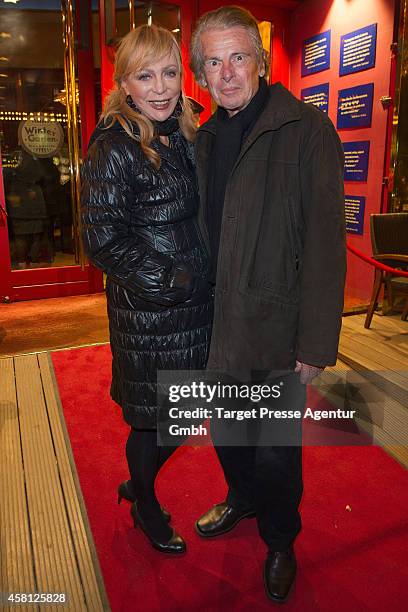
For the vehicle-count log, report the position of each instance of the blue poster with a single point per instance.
(357, 50)
(316, 53)
(356, 160)
(354, 209)
(355, 106)
(317, 95)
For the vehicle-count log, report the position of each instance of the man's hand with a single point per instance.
(307, 372)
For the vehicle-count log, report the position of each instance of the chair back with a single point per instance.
(389, 233)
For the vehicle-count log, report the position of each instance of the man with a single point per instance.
(270, 172)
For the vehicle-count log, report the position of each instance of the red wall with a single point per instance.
(343, 16)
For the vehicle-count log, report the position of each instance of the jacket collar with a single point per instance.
(168, 154)
(281, 108)
(165, 152)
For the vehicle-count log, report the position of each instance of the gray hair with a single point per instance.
(223, 18)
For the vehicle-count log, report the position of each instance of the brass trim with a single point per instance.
(110, 23)
(132, 16)
(72, 127)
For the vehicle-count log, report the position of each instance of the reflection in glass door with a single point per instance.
(34, 144)
(40, 140)
(123, 15)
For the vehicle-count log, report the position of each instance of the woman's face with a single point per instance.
(155, 89)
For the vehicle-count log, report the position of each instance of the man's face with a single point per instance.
(230, 67)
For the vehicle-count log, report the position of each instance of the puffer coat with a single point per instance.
(140, 227)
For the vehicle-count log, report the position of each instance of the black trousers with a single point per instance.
(267, 479)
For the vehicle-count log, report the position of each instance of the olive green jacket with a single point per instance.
(282, 257)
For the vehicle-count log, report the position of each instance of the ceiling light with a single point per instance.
(3, 58)
(11, 1)
(5, 35)
(3, 75)
(176, 30)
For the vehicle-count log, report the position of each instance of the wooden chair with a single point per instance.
(389, 241)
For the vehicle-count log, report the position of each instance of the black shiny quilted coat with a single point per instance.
(140, 227)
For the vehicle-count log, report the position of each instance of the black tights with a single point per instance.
(145, 459)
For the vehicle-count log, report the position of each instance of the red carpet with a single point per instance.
(349, 559)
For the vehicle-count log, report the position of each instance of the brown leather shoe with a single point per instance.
(279, 574)
(220, 519)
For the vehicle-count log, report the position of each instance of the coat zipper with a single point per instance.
(293, 234)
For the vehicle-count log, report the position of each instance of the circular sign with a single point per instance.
(40, 138)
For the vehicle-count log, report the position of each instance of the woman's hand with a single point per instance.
(182, 277)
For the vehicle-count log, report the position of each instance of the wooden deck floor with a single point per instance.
(386, 339)
(381, 352)
(378, 362)
(46, 543)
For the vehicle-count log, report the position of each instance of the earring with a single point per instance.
(179, 107)
(130, 103)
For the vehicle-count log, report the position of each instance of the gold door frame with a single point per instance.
(402, 68)
(73, 126)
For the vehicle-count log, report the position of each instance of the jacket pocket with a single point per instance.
(294, 260)
(274, 269)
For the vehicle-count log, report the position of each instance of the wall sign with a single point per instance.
(357, 50)
(355, 106)
(40, 138)
(354, 209)
(316, 53)
(317, 95)
(356, 160)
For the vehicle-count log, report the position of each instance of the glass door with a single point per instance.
(120, 16)
(47, 82)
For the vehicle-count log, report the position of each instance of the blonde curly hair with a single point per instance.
(140, 47)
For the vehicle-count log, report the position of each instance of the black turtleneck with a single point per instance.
(231, 133)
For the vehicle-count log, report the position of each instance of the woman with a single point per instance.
(140, 204)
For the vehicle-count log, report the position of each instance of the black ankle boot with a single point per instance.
(174, 545)
(125, 492)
